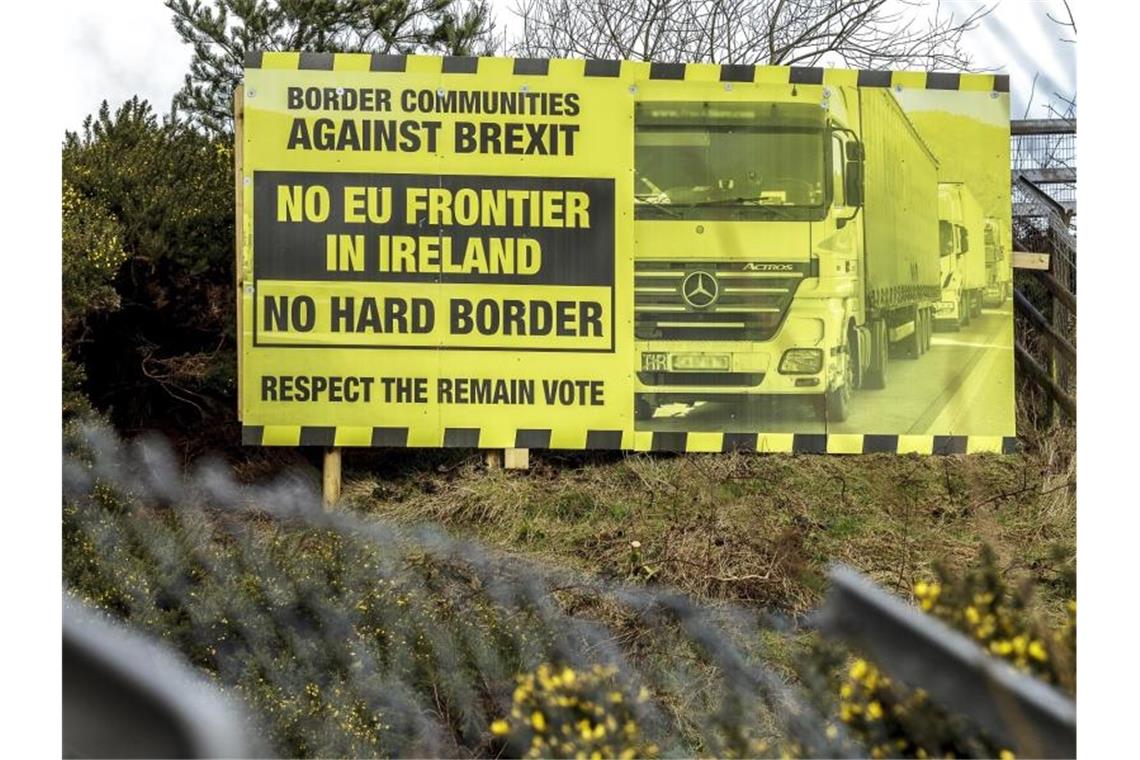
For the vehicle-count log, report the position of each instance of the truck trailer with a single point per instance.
(962, 255)
(785, 245)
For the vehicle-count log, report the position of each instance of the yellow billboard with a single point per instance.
(496, 252)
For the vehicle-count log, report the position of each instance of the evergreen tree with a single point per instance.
(148, 293)
(223, 31)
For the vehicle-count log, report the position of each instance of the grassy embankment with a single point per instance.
(757, 529)
(237, 595)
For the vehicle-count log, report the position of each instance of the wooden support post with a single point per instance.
(510, 459)
(516, 459)
(1057, 394)
(1059, 291)
(331, 490)
(1058, 341)
(1026, 260)
(1055, 317)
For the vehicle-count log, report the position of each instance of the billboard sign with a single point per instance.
(495, 252)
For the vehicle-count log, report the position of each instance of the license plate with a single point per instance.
(718, 362)
(653, 361)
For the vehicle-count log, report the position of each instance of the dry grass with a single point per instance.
(758, 529)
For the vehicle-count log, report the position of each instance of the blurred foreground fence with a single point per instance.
(126, 695)
(1017, 710)
(354, 637)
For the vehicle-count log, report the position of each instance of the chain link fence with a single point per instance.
(354, 637)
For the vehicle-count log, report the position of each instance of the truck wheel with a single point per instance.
(854, 359)
(839, 399)
(642, 409)
(977, 304)
(839, 403)
(965, 307)
(876, 375)
(912, 344)
(928, 329)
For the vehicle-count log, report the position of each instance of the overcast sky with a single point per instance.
(120, 48)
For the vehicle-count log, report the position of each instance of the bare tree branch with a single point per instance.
(857, 33)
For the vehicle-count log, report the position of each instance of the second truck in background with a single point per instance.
(961, 228)
(998, 270)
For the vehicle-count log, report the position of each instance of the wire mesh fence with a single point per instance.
(1044, 204)
(354, 637)
(1044, 150)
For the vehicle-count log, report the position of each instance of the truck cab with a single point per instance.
(961, 251)
(747, 238)
(784, 245)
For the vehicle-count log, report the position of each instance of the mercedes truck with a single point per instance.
(963, 263)
(786, 244)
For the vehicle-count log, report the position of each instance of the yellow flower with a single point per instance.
(1006, 755)
(972, 615)
(859, 669)
(500, 728)
(874, 710)
(1037, 651)
(538, 720)
(921, 589)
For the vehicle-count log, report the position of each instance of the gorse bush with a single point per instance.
(560, 712)
(351, 637)
(148, 250)
(896, 720)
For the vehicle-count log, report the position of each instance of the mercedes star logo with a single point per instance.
(700, 289)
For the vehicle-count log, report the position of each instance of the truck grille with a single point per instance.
(750, 302)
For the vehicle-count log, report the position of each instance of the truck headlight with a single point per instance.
(801, 361)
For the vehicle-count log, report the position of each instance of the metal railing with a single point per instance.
(1044, 175)
(1022, 712)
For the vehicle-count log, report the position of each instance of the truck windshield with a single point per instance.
(729, 172)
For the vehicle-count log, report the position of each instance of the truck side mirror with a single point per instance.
(853, 171)
(965, 239)
(853, 183)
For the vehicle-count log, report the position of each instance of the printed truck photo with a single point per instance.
(794, 251)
